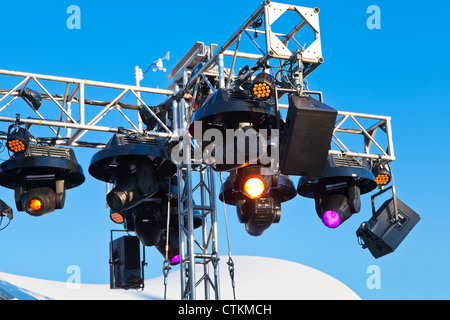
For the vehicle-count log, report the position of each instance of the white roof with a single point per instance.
(256, 278)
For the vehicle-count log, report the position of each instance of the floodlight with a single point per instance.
(337, 193)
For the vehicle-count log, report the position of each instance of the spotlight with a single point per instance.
(234, 111)
(262, 86)
(387, 228)
(382, 173)
(135, 165)
(257, 197)
(40, 177)
(17, 141)
(337, 193)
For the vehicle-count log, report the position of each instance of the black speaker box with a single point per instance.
(125, 263)
(382, 234)
(306, 140)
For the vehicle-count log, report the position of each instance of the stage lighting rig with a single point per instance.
(337, 192)
(40, 177)
(257, 197)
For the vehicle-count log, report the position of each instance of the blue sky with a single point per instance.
(400, 70)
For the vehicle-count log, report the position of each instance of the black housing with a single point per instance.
(383, 233)
(40, 167)
(234, 110)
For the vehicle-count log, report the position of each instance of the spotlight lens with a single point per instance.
(175, 260)
(35, 205)
(254, 188)
(331, 219)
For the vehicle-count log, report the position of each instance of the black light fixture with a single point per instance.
(18, 139)
(388, 226)
(337, 193)
(262, 87)
(257, 197)
(135, 165)
(382, 173)
(306, 140)
(40, 177)
(235, 111)
(116, 217)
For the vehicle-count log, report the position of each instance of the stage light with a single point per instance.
(135, 165)
(116, 217)
(40, 177)
(331, 219)
(382, 173)
(234, 111)
(254, 188)
(337, 193)
(17, 141)
(387, 228)
(258, 206)
(306, 140)
(262, 87)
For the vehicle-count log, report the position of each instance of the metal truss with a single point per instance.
(267, 48)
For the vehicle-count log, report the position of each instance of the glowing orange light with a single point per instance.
(35, 205)
(116, 217)
(254, 188)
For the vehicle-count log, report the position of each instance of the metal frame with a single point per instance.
(201, 62)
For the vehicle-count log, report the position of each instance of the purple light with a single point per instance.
(331, 219)
(175, 260)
